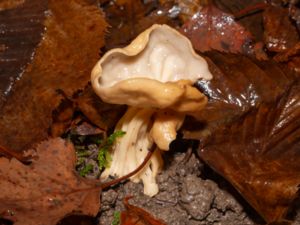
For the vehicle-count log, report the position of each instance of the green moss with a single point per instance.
(104, 157)
(85, 170)
(117, 218)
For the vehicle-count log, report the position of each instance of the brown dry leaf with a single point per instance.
(62, 118)
(48, 189)
(295, 64)
(137, 216)
(87, 129)
(63, 61)
(280, 33)
(294, 11)
(212, 28)
(10, 4)
(101, 114)
(260, 154)
(131, 17)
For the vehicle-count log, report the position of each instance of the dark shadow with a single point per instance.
(294, 209)
(78, 220)
(5, 222)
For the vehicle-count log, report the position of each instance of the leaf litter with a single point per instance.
(60, 67)
(48, 189)
(260, 154)
(263, 104)
(211, 28)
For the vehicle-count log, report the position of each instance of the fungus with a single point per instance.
(154, 76)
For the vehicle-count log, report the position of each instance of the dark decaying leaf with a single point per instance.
(87, 129)
(10, 4)
(212, 28)
(291, 56)
(260, 154)
(252, 20)
(294, 11)
(48, 189)
(21, 31)
(241, 89)
(62, 118)
(102, 114)
(238, 84)
(61, 65)
(131, 17)
(280, 33)
(137, 216)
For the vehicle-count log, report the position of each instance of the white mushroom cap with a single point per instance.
(156, 70)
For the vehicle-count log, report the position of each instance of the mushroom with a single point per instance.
(154, 76)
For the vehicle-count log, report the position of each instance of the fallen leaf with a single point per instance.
(21, 31)
(48, 189)
(240, 88)
(87, 129)
(131, 17)
(295, 64)
(137, 216)
(62, 118)
(10, 4)
(238, 85)
(101, 114)
(294, 11)
(291, 56)
(259, 154)
(61, 65)
(280, 33)
(11, 154)
(251, 20)
(212, 28)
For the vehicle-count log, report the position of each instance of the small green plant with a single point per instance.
(117, 218)
(104, 157)
(85, 170)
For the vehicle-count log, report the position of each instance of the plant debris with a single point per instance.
(249, 132)
(17, 45)
(99, 113)
(131, 17)
(212, 28)
(280, 33)
(235, 94)
(48, 189)
(260, 154)
(61, 65)
(135, 215)
(92, 150)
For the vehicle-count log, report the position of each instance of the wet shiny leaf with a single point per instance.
(212, 28)
(131, 17)
(249, 131)
(259, 154)
(280, 33)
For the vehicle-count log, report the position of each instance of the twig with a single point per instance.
(250, 9)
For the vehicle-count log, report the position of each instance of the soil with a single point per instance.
(190, 194)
